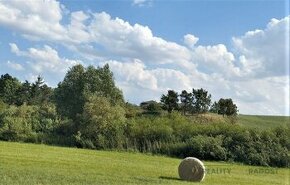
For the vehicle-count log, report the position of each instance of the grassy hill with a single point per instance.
(263, 121)
(30, 164)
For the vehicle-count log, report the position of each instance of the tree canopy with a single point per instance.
(80, 83)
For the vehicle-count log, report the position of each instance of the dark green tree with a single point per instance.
(227, 107)
(40, 92)
(8, 89)
(186, 99)
(23, 93)
(170, 101)
(201, 100)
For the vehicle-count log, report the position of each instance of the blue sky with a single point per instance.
(234, 49)
(173, 19)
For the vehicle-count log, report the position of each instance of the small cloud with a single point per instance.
(14, 48)
(190, 40)
(15, 66)
(141, 3)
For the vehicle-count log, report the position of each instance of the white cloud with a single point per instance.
(141, 3)
(77, 29)
(265, 52)
(14, 48)
(15, 66)
(44, 59)
(216, 59)
(190, 40)
(135, 76)
(159, 79)
(120, 38)
(134, 73)
(40, 19)
(263, 96)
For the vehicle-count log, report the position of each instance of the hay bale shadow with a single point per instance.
(170, 178)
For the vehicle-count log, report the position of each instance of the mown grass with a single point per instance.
(263, 122)
(31, 164)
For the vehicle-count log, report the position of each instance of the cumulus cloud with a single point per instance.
(44, 59)
(107, 36)
(216, 59)
(190, 40)
(37, 19)
(120, 38)
(265, 52)
(137, 74)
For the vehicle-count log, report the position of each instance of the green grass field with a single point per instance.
(263, 122)
(250, 121)
(31, 164)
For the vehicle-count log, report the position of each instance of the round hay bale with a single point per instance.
(191, 169)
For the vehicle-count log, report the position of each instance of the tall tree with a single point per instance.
(186, 99)
(69, 96)
(200, 100)
(170, 101)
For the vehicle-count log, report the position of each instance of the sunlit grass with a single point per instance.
(30, 164)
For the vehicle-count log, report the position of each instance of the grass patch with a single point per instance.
(31, 164)
(263, 122)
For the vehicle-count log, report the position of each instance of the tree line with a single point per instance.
(196, 102)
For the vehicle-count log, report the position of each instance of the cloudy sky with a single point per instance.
(234, 49)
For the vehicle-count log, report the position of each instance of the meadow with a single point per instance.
(34, 164)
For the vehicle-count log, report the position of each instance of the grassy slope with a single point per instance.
(30, 164)
(252, 121)
(263, 121)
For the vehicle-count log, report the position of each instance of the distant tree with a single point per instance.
(227, 107)
(201, 100)
(186, 99)
(8, 88)
(153, 108)
(170, 101)
(81, 83)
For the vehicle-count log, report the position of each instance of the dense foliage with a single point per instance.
(87, 110)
